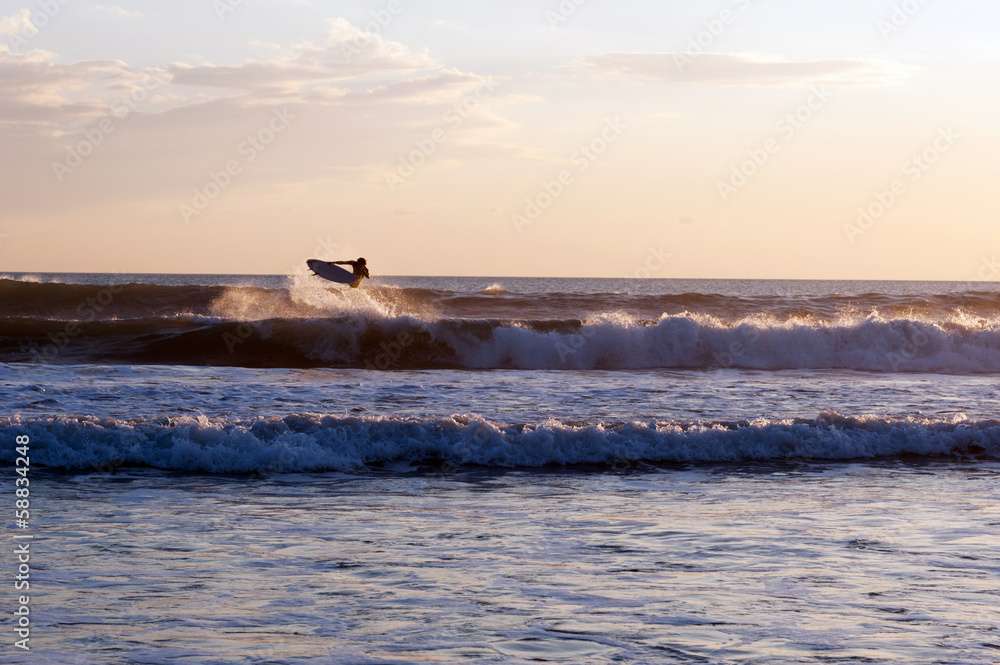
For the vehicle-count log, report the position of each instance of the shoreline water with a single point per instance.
(879, 561)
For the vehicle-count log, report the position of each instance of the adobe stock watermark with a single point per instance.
(249, 149)
(735, 349)
(390, 352)
(902, 14)
(909, 348)
(324, 247)
(108, 467)
(28, 24)
(87, 312)
(785, 130)
(582, 158)
(120, 109)
(284, 462)
(225, 7)
(381, 19)
(563, 12)
(913, 170)
(714, 28)
(573, 344)
(988, 271)
(427, 146)
(656, 260)
(244, 330)
(240, 334)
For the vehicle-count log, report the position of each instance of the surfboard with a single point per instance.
(327, 270)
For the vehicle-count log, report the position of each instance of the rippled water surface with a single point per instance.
(775, 563)
(134, 391)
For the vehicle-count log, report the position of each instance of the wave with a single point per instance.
(84, 303)
(306, 297)
(495, 289)
(315, 443)
(308, 324)
(37, 279)
(611, 341)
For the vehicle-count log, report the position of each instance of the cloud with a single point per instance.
(117, 11)
(351, 54)
(353, 117)
(739, 69)
(54, 98)
(356, 69)
(34, 90)
(18, 24)
(446, 85)
(270, 46)
(441, 23)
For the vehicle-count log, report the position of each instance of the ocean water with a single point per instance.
(273, 469)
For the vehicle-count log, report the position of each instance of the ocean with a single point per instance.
(275, 469)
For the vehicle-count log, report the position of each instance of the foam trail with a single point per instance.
(310, 442)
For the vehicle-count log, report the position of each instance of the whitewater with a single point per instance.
(299, 322)
(485, 470)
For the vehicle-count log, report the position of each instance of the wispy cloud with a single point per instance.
(117, 10)
(739, 69)
(351, 53)
(34, 90)
(441, 23)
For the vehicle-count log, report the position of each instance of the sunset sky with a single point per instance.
(744, 138)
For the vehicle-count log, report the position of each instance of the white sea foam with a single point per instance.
(307, 442)
(30, 279)
(494, 289)
(619, 341)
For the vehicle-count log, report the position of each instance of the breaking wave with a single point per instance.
(308, 297)
(308, 325)
(609, 341)
(314, 443)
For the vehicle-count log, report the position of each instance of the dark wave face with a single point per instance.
(79, 302)
(309, 325)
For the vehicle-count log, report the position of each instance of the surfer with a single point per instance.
(359, 268)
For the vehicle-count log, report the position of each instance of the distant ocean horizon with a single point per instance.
(113, 277)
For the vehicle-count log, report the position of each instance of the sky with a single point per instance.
(769, 139)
